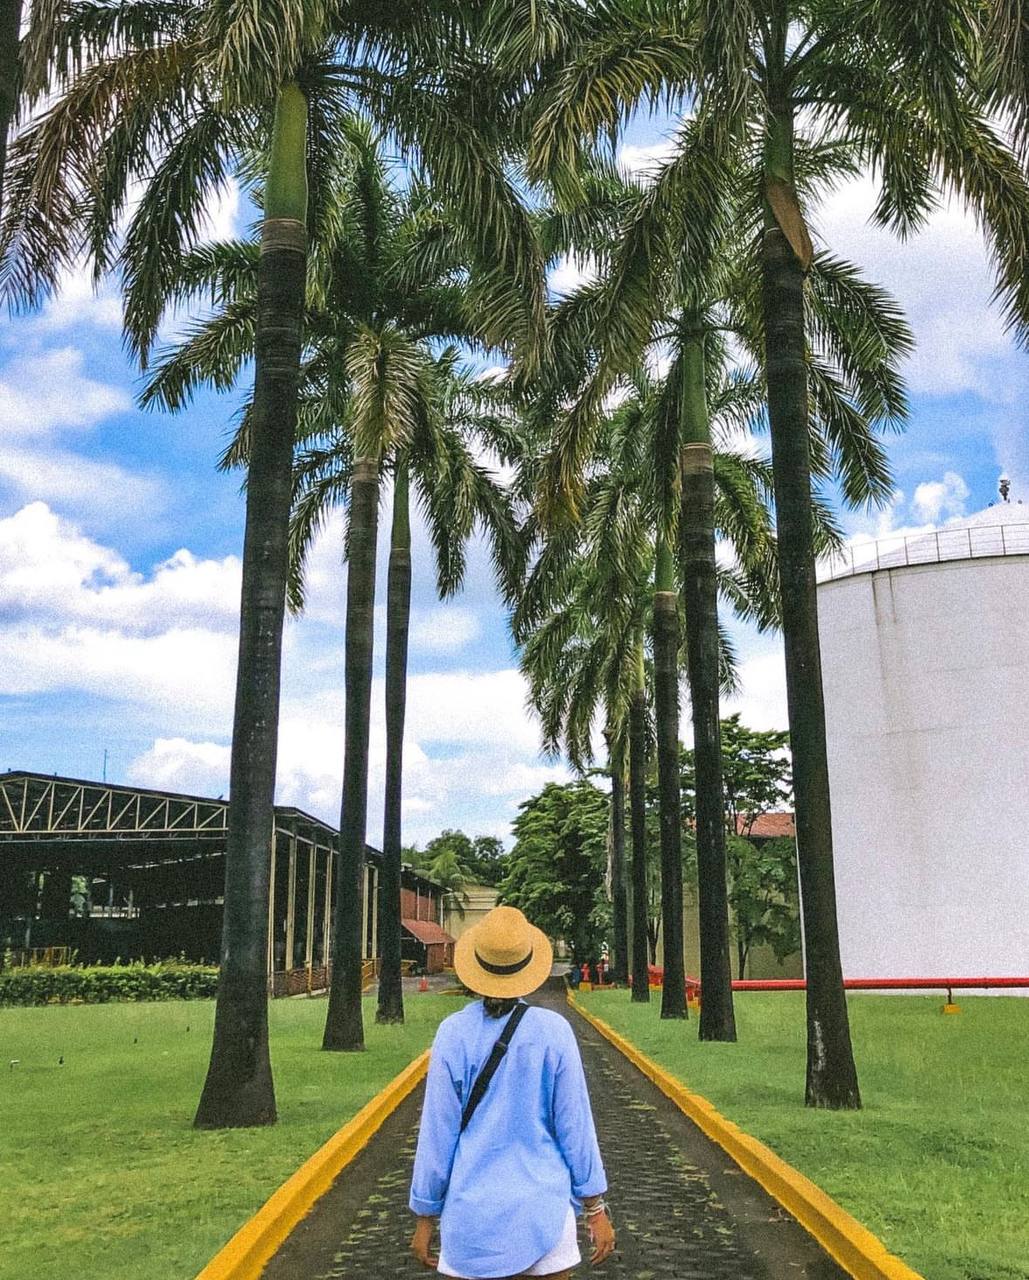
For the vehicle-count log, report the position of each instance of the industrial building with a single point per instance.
(925, 660)
(109, 871)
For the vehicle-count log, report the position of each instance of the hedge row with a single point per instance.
(100, 984)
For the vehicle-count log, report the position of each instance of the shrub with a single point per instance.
(101, 984)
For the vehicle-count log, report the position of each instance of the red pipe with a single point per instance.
(864, 984)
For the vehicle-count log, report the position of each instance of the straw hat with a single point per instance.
(503, 955)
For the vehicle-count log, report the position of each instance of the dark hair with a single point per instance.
(497, 1006)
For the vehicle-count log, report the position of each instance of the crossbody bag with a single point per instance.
(481, 1082)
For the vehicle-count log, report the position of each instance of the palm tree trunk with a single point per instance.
(10, 74)
(398, 617)
(831, 1073)
(638, 821)
(619, 896)
(344, 1026)
(666, 715)
(700, 590)
(239, 1089)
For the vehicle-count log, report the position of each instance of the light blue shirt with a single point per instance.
(502, 1188)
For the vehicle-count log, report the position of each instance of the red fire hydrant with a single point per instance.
(423, 983)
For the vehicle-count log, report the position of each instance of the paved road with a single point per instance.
(682, 1211)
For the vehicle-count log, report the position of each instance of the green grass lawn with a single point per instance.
(101, 1174)
(937, 1163)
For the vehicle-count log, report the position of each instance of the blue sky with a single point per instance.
(119, 546)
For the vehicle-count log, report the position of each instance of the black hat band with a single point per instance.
(504, 970)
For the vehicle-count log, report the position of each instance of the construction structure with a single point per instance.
(106, 872)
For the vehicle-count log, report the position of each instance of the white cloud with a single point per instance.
(80, 485)
(157, 647)
(220, 219)
(176, 764)
(762, 698)
(47, 392)
(937, 498)
(77, 302)
(645, 162)
(183, 676)
(53, 573)
(78, 618)
(447, 629)
(47, 396)
(571, 273)
(943, 280)
(470, 755)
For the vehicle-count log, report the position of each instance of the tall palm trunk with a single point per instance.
(638, 822)
(831, 1073)
(238, 1089)
(700, 589)
(398, 617)
(619, 896)
(666, 716)
(10, 74)
(344, 1026)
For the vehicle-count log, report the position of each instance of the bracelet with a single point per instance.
(599, 1207)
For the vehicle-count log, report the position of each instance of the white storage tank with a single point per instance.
(925, 654)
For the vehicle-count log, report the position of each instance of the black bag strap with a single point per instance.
(481, 1082)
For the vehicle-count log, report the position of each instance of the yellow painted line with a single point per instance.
(246, 1254)
(860, 1253)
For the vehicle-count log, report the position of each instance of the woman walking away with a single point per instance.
(507, 1151)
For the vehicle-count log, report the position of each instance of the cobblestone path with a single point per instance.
(681, 1210)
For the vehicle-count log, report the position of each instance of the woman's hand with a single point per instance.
(421, 1242)
(602, 1237)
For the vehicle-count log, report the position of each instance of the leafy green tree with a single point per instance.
(758, 774)
(763, 897)
(556, 866)
(488, 862)
(762, 875)
(483, 857)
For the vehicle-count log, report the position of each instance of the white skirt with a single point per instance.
(564, 1255)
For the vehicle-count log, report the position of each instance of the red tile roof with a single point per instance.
(767, 826)
(426, 931)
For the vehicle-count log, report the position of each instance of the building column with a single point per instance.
(330, 871)
(291, 900)
(312, 867)
(375, 911)
(271, 913)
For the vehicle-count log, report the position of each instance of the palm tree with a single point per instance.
(10, 73)
(398, 620)
(386, 277)
(455, 419)
(447, 870)
(615, 742)
(582, 619)
(664, 300)
(885, 84)
(195, 88)
(581, 628)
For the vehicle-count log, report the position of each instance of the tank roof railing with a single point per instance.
(935, 547)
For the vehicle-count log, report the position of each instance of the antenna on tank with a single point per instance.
(1004, 485)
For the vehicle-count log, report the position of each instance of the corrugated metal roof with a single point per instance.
(427, 932)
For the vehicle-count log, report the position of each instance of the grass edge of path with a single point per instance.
(105, 1174)
(932, 1165)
